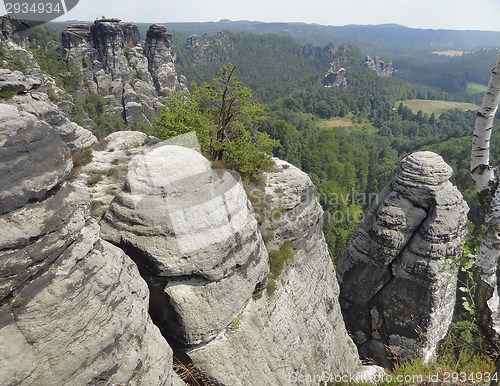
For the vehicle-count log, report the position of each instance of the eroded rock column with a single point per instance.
(396, 295)
(73, 308)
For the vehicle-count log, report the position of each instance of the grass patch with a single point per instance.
(93, 179)
(451, 53)
(351, 124)
(436, 107)
(81, 158)
(7, 95)
(475, 88)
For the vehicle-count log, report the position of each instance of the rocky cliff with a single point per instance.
(294, 327)
(396, 295)
(199, 247)
(382, 68)
(134, 77)
(73, 308)
(335, 78)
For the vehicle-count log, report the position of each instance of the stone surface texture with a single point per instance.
(191, 233)
(73, 308)
(298, 330)
(134, 78)
(105, 174)
(395, 290)
(335, 78)
(382, 68)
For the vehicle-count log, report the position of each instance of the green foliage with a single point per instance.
(94, 105)
(278, 259)
(236, 323)
(7, 95)
(225, 121)
(465, 263)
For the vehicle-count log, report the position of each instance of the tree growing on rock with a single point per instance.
(486, 177)
(225, 121)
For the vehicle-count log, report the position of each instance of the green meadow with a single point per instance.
(436, 107)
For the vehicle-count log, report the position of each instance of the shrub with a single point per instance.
(93, 179)
(81, 158)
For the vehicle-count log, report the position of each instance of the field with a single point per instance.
(337, 123)
(475, 88)
(436, 107)
(451, 53)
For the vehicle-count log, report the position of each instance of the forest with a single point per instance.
(350, 141)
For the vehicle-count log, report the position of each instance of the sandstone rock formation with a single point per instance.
(335, 78)
(30, 88)
(379, 66)
(190, 232)
(134, 78)
(298, 329)
(30, 99)
(14, 31)
(73, 308)
(105, 174)
(395, 292)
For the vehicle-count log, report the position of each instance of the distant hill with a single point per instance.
(359, 35)
(370, 39)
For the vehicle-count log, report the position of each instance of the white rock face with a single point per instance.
(108, 168)
(190, 232)
(30, 100)
(298, 330)
(73, 308)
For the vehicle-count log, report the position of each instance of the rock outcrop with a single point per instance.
(396, 295)
(297, 330)
(335, 78)
(192, 236)
(379, 66)
(134, 78)
(104, 175)
(73, 308)
(30, 98)
(14, 32)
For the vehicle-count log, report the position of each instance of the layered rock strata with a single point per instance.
(30, 97)
(335, 78)
(297, 330)
(396, 294)
(73, 308)
(191, 233)
(133, 78)
(382, 68)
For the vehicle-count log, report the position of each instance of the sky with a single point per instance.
(433, 14)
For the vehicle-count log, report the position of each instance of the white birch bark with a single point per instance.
(487, 301)
(483, 174)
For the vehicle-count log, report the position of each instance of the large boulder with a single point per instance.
(33, 160)
(73, 308)
(294, 329)
(191, 233)
(396, 294)
(30, 99)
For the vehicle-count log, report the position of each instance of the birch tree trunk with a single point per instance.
(487, 300)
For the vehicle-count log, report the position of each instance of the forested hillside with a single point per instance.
(350, 140)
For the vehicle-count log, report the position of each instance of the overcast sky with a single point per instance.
(435, 14)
